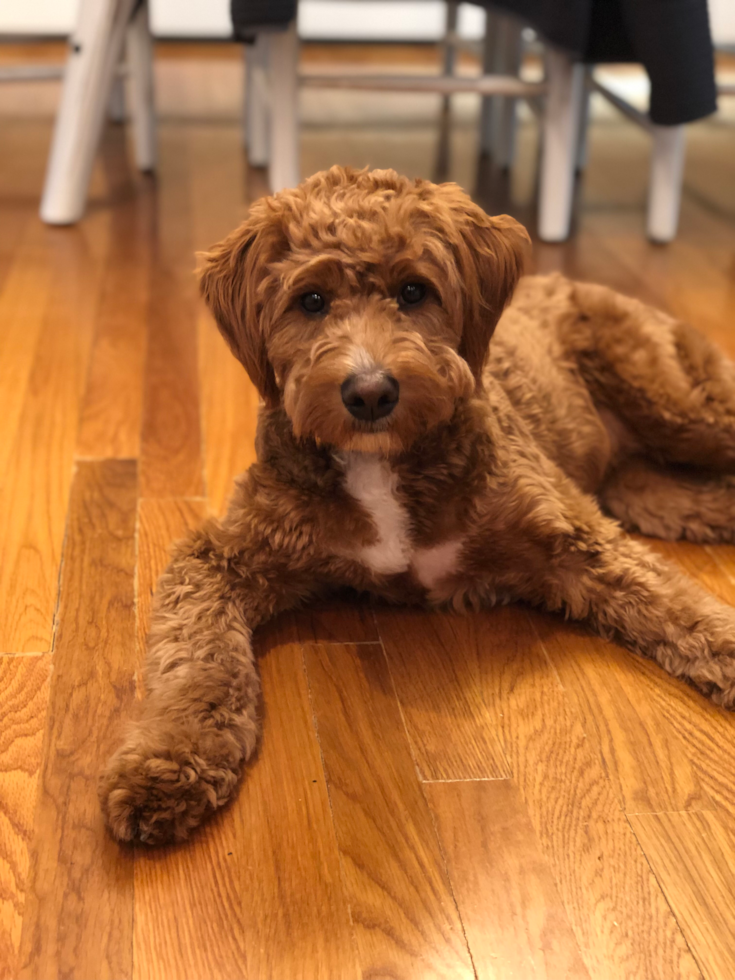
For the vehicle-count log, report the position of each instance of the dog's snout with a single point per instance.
(369, 397)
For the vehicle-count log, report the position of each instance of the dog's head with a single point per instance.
(364, 302)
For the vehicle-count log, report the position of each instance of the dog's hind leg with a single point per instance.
(673, 390)
(671, 503)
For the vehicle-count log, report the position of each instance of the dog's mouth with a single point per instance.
(372, 425)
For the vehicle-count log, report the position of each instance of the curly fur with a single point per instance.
(483, 485)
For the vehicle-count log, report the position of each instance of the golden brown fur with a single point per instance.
(478, 487)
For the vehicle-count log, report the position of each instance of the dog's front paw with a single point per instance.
(156, 795)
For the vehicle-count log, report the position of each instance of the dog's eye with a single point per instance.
(313, 302)
(412, 293)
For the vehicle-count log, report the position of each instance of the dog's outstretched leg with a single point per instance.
(629, 594)
(198, 725)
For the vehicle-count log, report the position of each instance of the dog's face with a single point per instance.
(364, 302)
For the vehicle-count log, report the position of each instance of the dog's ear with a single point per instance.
(498, 248)
(490, 254)
(229, 278)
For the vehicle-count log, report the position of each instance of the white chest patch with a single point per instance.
(371, 481)
(431, 565)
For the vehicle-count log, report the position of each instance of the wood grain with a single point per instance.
(296, 920)
(24, 683)
(160, 524)
(438, 678)
(229, 414)
(79, 912)
(576, 728)
(711, 566)
(706, 732)
(403, 913)
(35, 493)
(113, 401)
(345, 618)
(186, 924)
(229, 402)
(513, 916)
(619, 915)
(22, 308)
(646, 760)
(620, 918)
(171, 456)
(693, 856)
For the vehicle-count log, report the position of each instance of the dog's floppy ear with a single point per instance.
(490, 254)
(229, 279)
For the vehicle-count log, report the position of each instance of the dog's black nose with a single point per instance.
(370, 396)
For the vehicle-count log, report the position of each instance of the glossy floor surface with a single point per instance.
(495, 795)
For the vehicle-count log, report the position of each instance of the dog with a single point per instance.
(401, 453)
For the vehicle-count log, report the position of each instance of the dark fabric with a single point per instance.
(670, 38)
(250, 16)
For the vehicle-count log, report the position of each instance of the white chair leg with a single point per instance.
(96, 46)
(560, 128)
(256, 101)
(284, 169)
(664, 190)
(140, 65)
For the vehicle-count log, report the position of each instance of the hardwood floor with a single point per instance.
(499, 795)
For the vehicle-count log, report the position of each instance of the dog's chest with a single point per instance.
(371, 481)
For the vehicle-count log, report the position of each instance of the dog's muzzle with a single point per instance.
(370, 397)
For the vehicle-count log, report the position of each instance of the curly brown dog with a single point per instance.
(401, 453)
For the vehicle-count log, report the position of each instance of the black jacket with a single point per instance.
(670, 38)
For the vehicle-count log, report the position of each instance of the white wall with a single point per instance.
(374, 19)
(420, 20)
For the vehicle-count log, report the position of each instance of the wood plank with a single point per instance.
(693, 856)
(344, 618)
(24, 683)
(229, 402)
(13, 231)
(35, 493)
(23, 302)
(711, 565)
(706, 731)
(160, 524)
(296, 920)
(112, 408)
(646, 760)
(188, 909)
(513, 916)
(403, 913)
(619, 916)
(420, 650)
(78, 920)
(229, 414)
(171, 452)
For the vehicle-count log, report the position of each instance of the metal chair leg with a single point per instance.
(284, 169)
